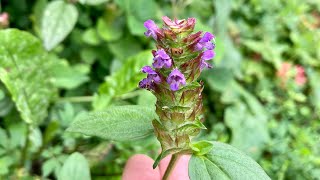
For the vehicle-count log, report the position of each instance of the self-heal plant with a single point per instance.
(172, 76)
(180, 57)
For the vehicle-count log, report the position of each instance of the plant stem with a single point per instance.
(76, 99)
(172, 164)
(26, 147)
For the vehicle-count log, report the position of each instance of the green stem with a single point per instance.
(76, 99)
(172, 164)
(26, 147)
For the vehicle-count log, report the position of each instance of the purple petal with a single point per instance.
(208, 54)
(144, 83)
(163, 54)
(147, 69)
(206, 37)
(209, 45)
(149, 24)
(174, 86)
(175, 79)
(198, 47)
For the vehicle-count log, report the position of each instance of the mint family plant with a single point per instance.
(180, 58)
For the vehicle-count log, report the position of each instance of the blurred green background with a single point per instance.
(262, 96)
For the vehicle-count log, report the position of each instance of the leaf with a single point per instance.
(119, 123)
(225, 162)
(58, 20)
(125, 47)
(69, 77)
(75, 168)
(123, 81)
(201, 147)
(24, 69)
(110, 28)
(139, 11)
(93, 2)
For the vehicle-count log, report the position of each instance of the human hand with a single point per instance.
(139, 167)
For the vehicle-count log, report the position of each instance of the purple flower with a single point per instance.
(207, 55)
(152, 29)
(161, 58)
(152, 75)
(205, 42)
(146, 83)
(176, 79)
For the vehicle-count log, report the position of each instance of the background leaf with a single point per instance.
(225, 162)
(119, 123)
(122, 81)
(75, 168)
(58, 20)
(24, 71)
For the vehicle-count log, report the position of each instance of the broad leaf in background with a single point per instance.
(110, 26)
(225, 162)
(69, 77)
(123, 81)
(246, 118)
(75, 168)
(119, 123)
(137, 12)
(58, 20)
(24, 67)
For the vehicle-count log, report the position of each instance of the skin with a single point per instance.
(139, 167)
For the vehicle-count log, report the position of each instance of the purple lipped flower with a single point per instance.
(152, 75)
(162, 59)
(176, 79)
(207, 55)
(152, 29)
(205, 42)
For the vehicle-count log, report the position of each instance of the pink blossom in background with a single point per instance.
(4, 19)
(284, 73)
(300, 77)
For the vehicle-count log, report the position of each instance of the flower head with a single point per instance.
(176, 79)
(162, 59)
(207, 55)
(152, 29)
(205, 42)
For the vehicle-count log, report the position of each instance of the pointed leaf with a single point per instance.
(225, 162)
(58, 20)
(24, 68)
(119, 123)
(75, 168)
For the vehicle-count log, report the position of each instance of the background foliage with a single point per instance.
(72, 57)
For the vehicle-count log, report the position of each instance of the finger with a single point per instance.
(139, 167)
(180, 172)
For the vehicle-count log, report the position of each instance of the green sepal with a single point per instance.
(201, 147)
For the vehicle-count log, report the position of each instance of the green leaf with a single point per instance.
(75, 168)
(123, 81)
(93, 2)
(110, 28)
(117, 123)
(139, 11)
(69, 77)
(225, 162)
(58, 20)
(201, 147)
(24, 68)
